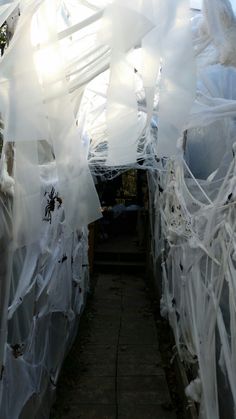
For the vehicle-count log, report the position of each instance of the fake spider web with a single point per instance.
(147, 98)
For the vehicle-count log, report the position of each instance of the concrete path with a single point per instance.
(114, 371)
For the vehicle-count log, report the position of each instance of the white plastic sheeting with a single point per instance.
(48, 285)
(124, 101)
(194, 232)
(35, 105)
(65, 45)
(47, 199)
(48, 195)
(112, 82)
(193, 221)
(6, 10)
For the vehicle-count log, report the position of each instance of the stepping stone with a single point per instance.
(139, 360)
(96, 390)
(143, 390)
(130, 411)
(97, 360)
(93, 411)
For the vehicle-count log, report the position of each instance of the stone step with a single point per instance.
(120, 256)
(119, 266)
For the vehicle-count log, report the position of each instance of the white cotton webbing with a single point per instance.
(193, 207)
(112, 83)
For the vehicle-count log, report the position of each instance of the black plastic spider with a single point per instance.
(63, 259)
(17, 350)
(52, 198)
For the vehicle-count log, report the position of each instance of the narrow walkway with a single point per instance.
(114, 370)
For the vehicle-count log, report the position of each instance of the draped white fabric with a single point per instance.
(107, 83)
(6, 10)
(35, 105)
(65, 45)
(177, 87)
(193, 220)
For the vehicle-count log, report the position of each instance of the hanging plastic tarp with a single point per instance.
(118, 107)
(36, 106)
(58, 53)
(46, 289)
(109, 83)
(193, 220)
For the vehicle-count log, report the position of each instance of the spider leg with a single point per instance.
(59, 201)
(46, 210)
(52, 192)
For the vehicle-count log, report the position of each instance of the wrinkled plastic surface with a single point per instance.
(91, 89)
(49, 283)
(193, 221)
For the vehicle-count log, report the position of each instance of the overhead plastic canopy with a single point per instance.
(6, 10)
(196, 4)
(233, 2)
(85, 78)
(109, 92)
(58, 48)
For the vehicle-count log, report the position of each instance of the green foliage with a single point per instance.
(129, 181)
(3, 37)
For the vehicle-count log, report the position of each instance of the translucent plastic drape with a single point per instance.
(193, 219)
(146, 80)
(6, 10)
(35, 105)
(112, 82)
